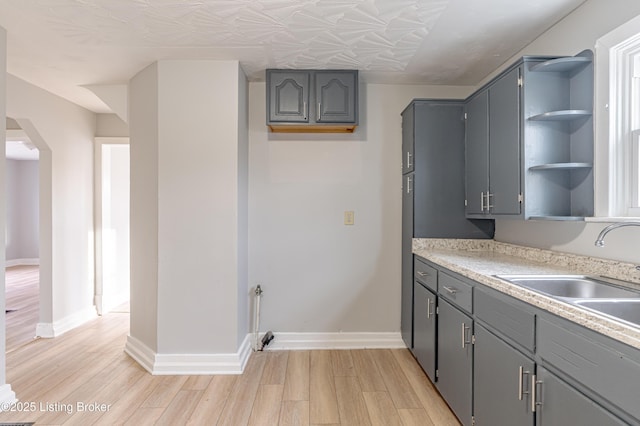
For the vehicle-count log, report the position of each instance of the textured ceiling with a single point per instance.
(62, 45)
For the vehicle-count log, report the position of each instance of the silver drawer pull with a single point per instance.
(534, 385)
(450, 290)
(466, 342)
(422, 274)
(521, 374)
(429, 313)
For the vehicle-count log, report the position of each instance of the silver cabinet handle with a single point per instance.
(422, 274)
(489, 205)
(429, 313)
(521, 374)
(450, 290)
(534, 385)
(318, 112)
(482, 201)
(465, 342)
(409, 165)
(409, 189)
(304, 109)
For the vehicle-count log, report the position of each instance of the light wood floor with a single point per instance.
(21, 297)
(87, 365)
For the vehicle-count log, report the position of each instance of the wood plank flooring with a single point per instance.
(21, 298)
(88, 365)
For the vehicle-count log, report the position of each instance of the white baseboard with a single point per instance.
(22, 262)
(6, 395)
(304, 341)
(65, 324)
(189, 364)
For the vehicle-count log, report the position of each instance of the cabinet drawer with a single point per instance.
(506, 317)
(455, 291)
(426, 274)
(609, 370)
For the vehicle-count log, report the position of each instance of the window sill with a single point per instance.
(612, 219)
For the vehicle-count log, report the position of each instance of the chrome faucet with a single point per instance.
(600, 240)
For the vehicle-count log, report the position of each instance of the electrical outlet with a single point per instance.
(349, 218)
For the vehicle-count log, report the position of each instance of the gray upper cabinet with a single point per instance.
(504, 145)
(288, 96)
(477, 153)
(558, 138)
(493, 148)
(336, 94)
(529, 141)
(312, 101)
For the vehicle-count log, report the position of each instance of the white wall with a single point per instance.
(188, 207)
(244, 295)
(67, 132)
(109, 125)
(317, 274)
(198, 206)
(143, 110)
(22, 210)
(577, 32)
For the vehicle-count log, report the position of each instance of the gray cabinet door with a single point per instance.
(501, 394)
(424, 329)
(504, 144)
(336, 96)
(562, 405)
(288, 96)
(477, 153)
(455, 359)
(408, 139)
(406, 320)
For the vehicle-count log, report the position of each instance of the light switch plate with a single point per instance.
(349, 218)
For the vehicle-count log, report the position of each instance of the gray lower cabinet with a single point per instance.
(501, 382)
(455, 359)
(499, 361)
(424, 329)
(559, 404)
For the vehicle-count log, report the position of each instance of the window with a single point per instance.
(618, 122)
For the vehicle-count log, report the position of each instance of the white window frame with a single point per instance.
(616, 136)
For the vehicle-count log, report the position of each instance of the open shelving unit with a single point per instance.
(558, 138)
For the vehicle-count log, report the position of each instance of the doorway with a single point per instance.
(112, 224)
(22, 240)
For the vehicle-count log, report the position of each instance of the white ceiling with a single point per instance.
(63, 45)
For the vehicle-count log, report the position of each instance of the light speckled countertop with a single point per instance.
(480, 260)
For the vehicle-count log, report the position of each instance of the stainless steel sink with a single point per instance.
(624, 309)
(571, 286)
